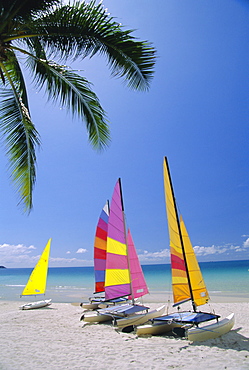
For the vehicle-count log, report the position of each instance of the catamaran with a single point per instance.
(100, 242)
(187, 283)
(123, 273)
(37, 281)
(99, 259)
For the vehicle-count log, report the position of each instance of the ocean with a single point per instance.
(76, 284)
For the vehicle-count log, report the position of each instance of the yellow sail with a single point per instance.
(199, 290)
(187, 280)
(180, 284)
(38, 278)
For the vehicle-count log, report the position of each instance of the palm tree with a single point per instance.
(40, 35)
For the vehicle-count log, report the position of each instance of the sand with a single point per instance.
(55, 338)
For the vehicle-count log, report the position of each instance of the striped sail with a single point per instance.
(138, 283)
(180, 283)
(100, 249)
(38, 279)
(117, 276)
(187, 281)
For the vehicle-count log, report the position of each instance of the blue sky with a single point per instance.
(195, 113)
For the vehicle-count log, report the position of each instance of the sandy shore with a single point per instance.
(55, 338)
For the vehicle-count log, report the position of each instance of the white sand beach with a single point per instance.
(55, 338)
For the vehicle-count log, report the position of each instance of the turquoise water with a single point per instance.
(72, 284)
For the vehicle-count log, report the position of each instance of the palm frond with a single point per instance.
(47, 30)
(19, 133)
(25, 8)
(81, 30)
(73, 92)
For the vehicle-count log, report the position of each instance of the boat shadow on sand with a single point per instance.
(232, 340)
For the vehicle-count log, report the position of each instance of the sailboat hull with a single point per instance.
(157, 328)
(38, 304)
(211, 331)
(89, 306)
(193, 334)
(115, 312)
(95, 317)
(139, 319)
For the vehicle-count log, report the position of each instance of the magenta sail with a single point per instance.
(117, 276)
(116, 226)
(139, 286)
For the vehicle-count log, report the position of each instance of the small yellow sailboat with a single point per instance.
(37, 282)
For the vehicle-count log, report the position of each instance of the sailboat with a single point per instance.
(187, 283)
(37, 281)
(100, 244)
(123, 273)
(99, 259)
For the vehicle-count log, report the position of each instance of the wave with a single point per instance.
(15, 285)
(67, 287)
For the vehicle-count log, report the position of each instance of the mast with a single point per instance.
(127, 249)
(180, 235)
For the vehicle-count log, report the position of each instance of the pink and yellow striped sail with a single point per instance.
(139, 286)
(117, 276)
(187, 281)
(100, 243)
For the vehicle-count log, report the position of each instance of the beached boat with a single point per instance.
(123, 273)
(187, 283)
(211, 331)
(100, 242)
(127, 324)
(99, 260)
(37, 281)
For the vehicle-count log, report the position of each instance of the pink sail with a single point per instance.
(139, 286)
(117, 276)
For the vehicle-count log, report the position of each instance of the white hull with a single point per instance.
(38, 304)
(156, 328)
(89, 306)
(116, 312)
(139, 319)
(211, 331)
(95, 317)
(193, 334)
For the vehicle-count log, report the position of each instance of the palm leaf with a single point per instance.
(46, 30)
(73, 92)
(86, 29)
(18, 131)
